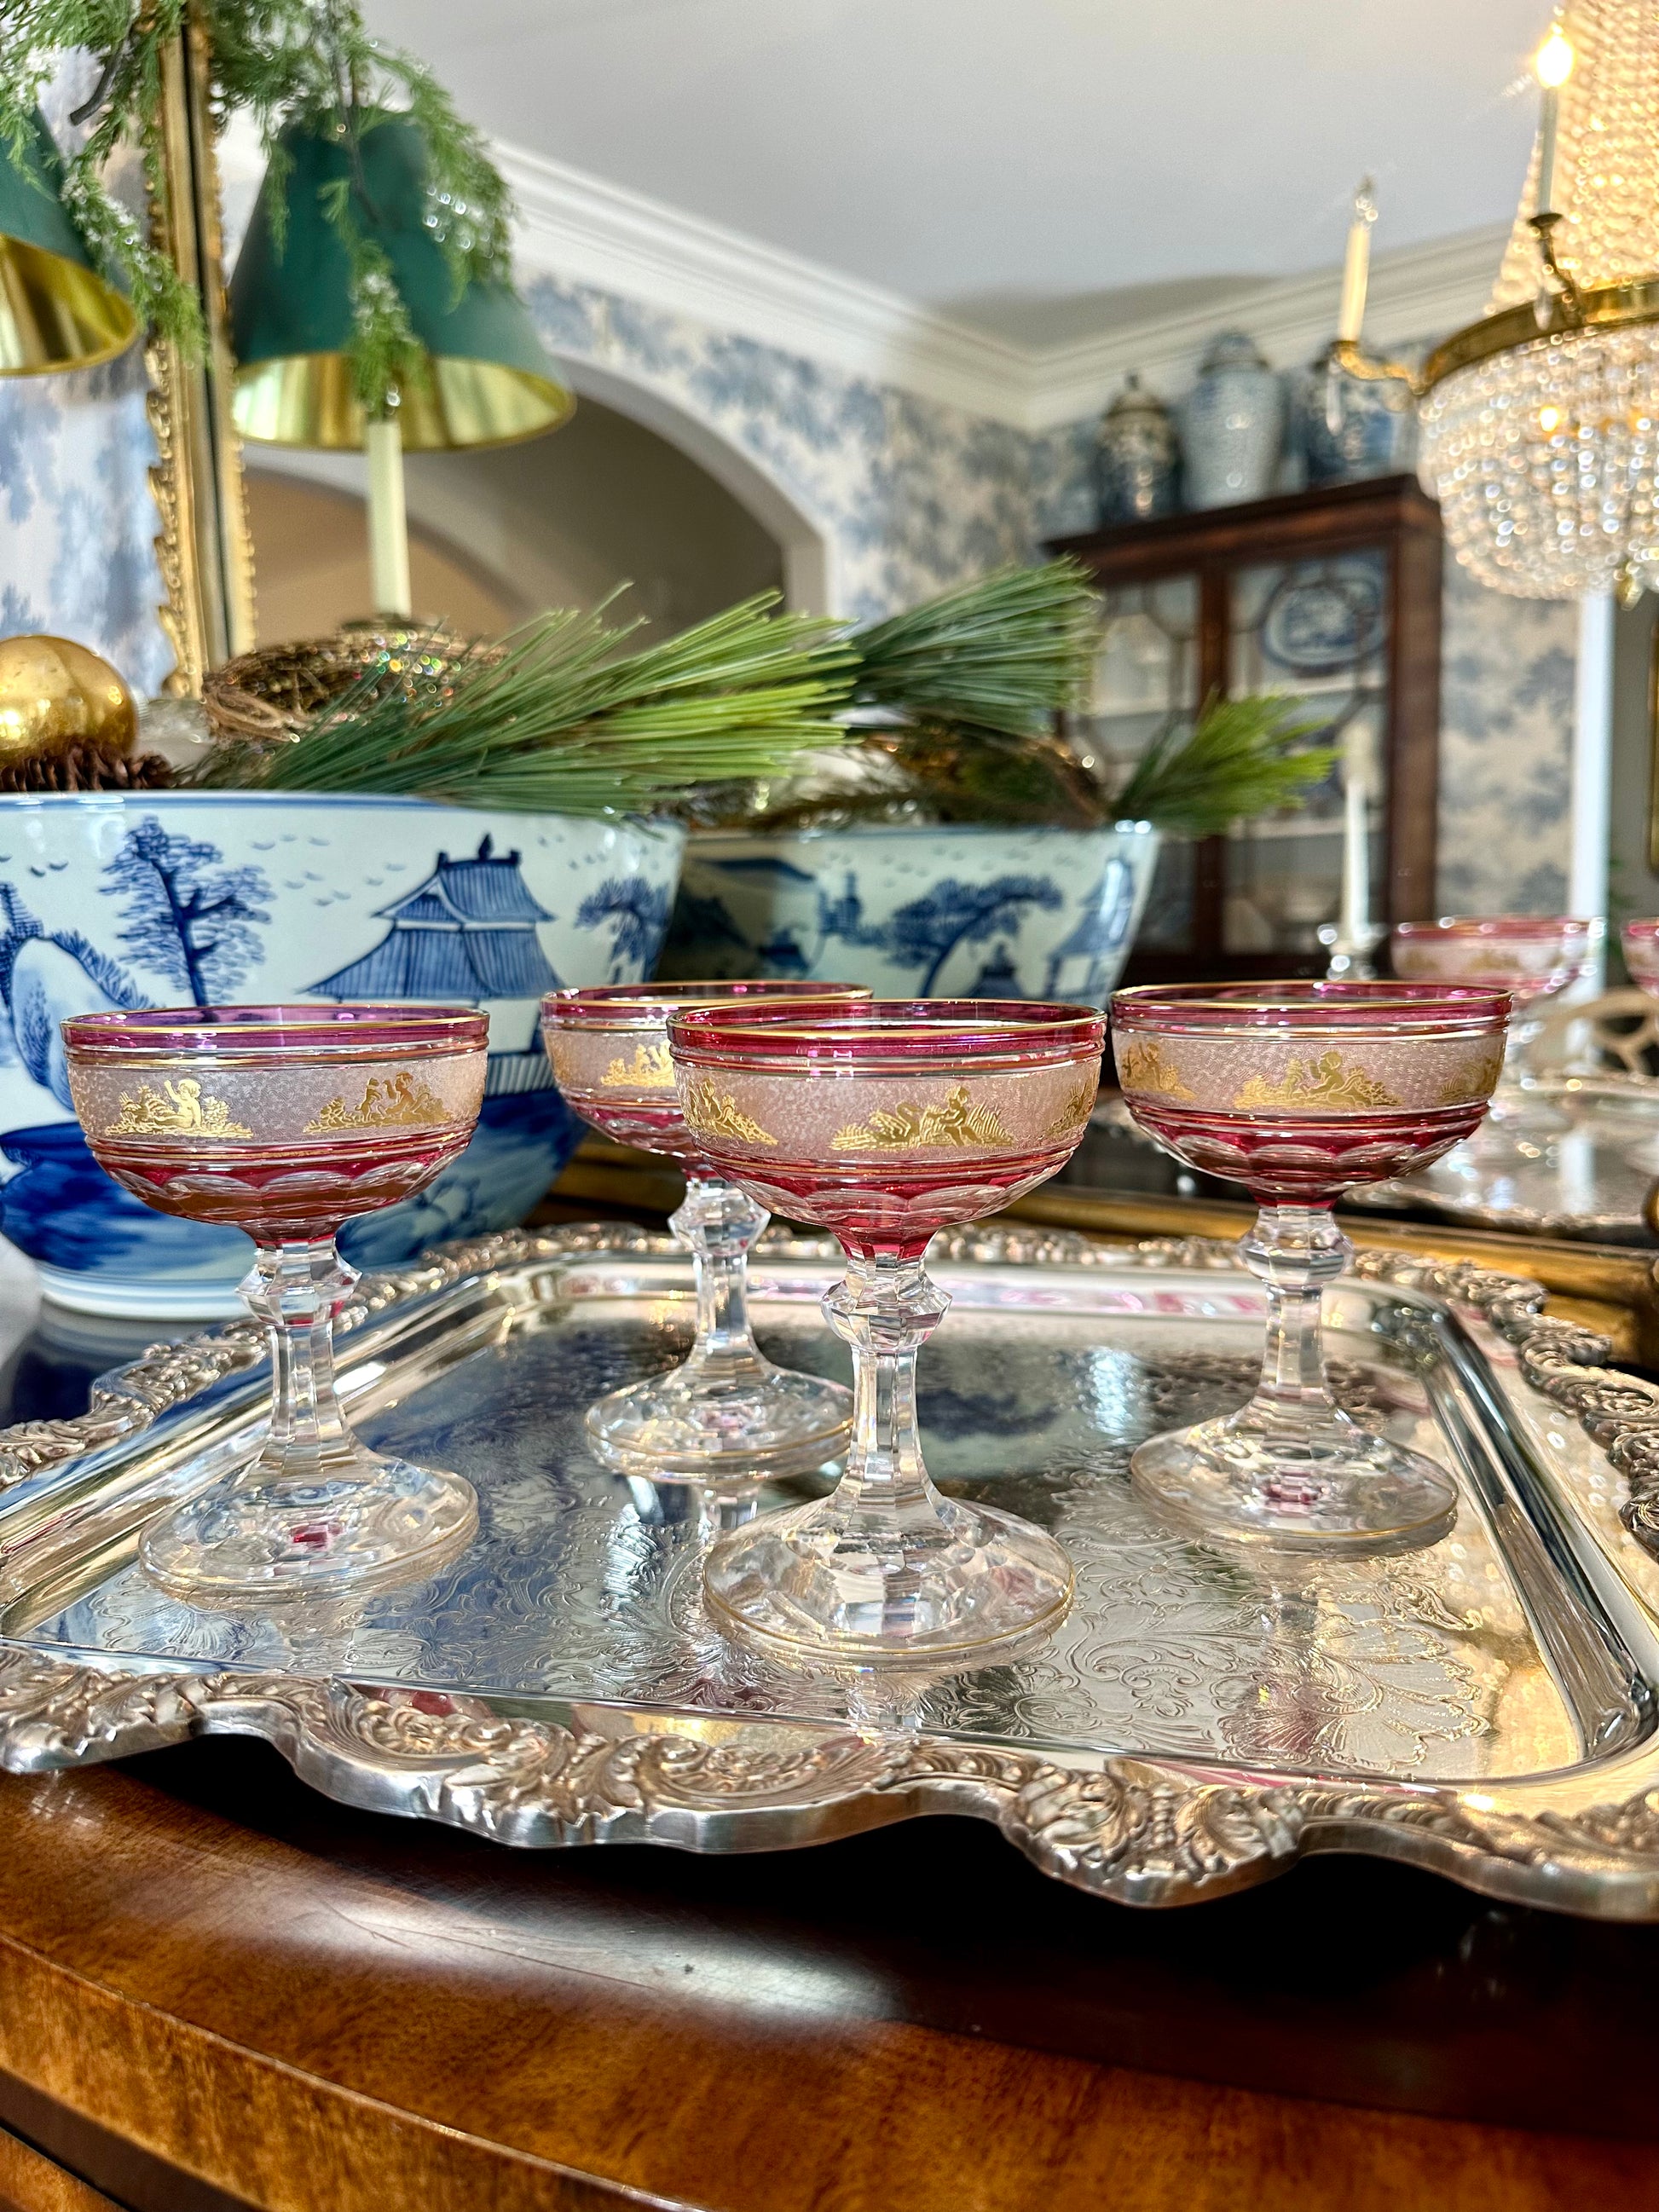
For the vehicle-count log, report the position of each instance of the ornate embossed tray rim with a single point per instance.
(541, 1771)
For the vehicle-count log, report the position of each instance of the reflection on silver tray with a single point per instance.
(1591, 1180)
(1201, 1720)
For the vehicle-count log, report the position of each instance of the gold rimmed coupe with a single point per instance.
(727, 1416)
(286, 1122)
(885, 1126)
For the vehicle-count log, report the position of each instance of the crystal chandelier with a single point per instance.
(1541, 422)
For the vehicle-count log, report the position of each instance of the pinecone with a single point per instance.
(87, 768)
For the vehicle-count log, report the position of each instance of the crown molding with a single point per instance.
(1415, 293)
(579, 229)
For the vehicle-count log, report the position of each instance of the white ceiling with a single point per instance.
(1038, 167)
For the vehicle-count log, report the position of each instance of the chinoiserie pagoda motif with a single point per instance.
(468, 932)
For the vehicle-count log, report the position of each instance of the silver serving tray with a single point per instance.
(1204, 1718)
(1592, 1181)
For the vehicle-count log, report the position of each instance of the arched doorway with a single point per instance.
(496, 536)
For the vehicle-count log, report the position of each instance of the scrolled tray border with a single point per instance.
(1140, 1831)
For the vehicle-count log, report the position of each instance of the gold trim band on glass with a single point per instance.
(245, 1063)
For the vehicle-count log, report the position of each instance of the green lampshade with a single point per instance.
(290, 311)
(56, 311)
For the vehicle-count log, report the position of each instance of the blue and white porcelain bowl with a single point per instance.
(957, 912)
(166, 898)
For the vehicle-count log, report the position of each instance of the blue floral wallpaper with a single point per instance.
(1508, 670)
(77, 557)
(912, 496)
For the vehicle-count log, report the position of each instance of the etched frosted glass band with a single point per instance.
(202, 1100)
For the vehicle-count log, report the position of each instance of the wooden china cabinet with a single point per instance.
(1332, 598)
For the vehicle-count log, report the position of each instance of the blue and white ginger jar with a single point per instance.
(1231, 425)
(1139, 457)
(1348, 427)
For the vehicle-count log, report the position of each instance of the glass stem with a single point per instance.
(717, 1224)
(297, 1290)
(886, 1308)
(1294, 1250)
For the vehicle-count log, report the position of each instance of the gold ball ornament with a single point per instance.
(54, 694)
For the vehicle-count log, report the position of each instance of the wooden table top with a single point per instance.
(217, 1988)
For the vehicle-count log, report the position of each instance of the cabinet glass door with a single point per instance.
(1148, 670)
(1315, 631)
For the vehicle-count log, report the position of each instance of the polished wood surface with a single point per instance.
(30, 2183)
(257, 1997)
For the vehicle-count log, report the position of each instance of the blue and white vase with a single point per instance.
(957, 912)
(170, 898)
(1348, 427)
(1139, 457)
(1231, 425)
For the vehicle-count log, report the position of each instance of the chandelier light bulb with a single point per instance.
(1541, 422)
(1552, 63)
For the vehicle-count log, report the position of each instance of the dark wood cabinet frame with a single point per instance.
(1392, 516)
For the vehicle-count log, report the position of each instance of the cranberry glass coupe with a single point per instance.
(1299, 1090)
(1640, 940)
(287, 1121)
(1535, 958)
(884, 1123)
(727, 1408)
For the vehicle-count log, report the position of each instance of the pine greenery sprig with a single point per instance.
(307, 61)
(34, 35)
(1005, 652)
(1239, 758)
(561, 722)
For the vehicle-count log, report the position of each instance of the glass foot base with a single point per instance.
(1354, 1494)
(372, 1521)
(971, 1576)
(684, 1427)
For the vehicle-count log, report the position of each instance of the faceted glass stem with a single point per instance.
(728, 1411)
(1291, 1469)
(717, 1224)
(316, 1510)
(886, 1309)
(886, 1568)
(298, 1289)
(1294, 1251)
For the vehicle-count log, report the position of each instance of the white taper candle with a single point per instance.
(1553, 66)
(1356, 269)
(1356, 850)
(388, 523)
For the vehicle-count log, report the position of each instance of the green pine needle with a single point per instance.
(1007, 653)
(308, 62)
(561, 723)
(1241, 757)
